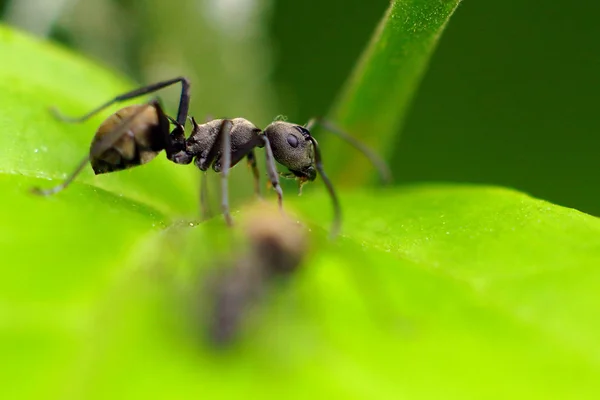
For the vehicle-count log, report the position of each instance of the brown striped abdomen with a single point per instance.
(132, 136)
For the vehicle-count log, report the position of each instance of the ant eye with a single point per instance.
(292, 140)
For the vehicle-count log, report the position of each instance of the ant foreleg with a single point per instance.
(378, 162)
(272, 170)
(252, 163)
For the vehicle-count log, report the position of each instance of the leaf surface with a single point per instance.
(433, 291)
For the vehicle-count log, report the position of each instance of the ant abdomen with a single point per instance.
(140, 142)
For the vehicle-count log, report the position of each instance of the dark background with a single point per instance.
(510, 97)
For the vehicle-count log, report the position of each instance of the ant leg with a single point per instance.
(225, 134)
(376, 160)
(104, 143)
(184, 100)
(252, 163)
(204, 204)
(223, 144)
(65, 183)
(272, 170)
(337, 213)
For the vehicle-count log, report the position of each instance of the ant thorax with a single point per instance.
(244, 135)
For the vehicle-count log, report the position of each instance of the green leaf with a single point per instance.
(431, 292)
(377, 97)
(487, 286)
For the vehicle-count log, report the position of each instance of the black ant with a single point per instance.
(134, 135)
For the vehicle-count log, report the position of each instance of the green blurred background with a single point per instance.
(509, 98)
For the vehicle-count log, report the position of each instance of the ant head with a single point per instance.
(292, 146)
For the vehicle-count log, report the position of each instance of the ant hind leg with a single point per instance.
(184, 100)
(65, 183)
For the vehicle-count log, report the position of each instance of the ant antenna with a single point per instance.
(378, 162)
(337, 213)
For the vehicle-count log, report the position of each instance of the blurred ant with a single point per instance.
(134, 135)
(275, 249)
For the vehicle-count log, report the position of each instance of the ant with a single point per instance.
(276, 248)
(135, 135)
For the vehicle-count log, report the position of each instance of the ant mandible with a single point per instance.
(134, 135)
